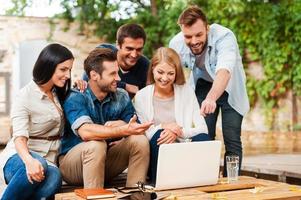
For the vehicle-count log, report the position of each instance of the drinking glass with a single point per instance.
(232, 168)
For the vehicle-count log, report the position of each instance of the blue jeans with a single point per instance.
(231, 122)
(20, 188)
(154, 151)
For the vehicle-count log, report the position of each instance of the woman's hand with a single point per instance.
(174, 127)
(166, 137)
(34, 170)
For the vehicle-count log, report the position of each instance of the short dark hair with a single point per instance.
(190, 15)
(95, 60)
(134, 31)
(44, 68)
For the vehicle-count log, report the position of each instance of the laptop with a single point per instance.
(191, 164)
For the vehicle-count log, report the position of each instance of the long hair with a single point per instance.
(44, 68)
(170, 57)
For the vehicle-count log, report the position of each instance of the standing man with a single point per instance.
(212, 53)
(133, 66)
(102, 137)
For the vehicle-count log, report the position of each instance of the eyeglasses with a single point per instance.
(140, 187)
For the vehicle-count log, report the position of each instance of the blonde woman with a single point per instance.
(171, 104)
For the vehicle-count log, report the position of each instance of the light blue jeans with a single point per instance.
(20, 188)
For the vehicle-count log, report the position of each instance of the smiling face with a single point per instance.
(62, 73)
(164, 75)
(129, 52)
(107, 81)
(195, 36)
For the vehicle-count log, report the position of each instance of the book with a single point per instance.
(94, 193)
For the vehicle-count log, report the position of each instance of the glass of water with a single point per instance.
(232, 168)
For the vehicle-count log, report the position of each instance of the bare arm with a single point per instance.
(34, 168)
(218, 87)
(131, 88)
(100, 132)
(115, 123)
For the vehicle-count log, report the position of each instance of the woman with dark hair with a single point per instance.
(28, 163)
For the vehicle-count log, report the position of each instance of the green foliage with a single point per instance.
(18, 8)
(160, 28)
(268, 31)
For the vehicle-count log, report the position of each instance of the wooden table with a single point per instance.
(245, 188)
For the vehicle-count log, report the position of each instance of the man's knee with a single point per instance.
(97, 148)
(139, 143)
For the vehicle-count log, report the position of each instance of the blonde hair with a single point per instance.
(170, 57)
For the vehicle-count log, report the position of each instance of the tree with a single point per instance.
(264, 29)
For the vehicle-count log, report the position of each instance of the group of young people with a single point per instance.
(129, 107)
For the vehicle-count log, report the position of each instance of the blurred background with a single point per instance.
(268, 33)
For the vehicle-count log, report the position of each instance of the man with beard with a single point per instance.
(217, 74)
(102, 137)
(133, 66)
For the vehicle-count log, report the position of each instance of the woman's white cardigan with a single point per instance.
(187, 110)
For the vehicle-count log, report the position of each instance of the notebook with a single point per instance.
(95, 193)
(191, 164)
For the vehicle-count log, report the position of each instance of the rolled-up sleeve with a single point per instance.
(227, 52)
(76, 111)
(20, 117)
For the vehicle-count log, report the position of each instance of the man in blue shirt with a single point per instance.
(102, 137)
(217, 74)
(133, 66)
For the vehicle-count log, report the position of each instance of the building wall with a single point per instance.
(15, 30)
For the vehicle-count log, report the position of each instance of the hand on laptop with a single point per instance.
(167, 137)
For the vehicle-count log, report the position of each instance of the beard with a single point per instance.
(200, 49)
(107, 88)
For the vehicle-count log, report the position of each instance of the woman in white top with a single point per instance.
(170, 104)
(28, 163)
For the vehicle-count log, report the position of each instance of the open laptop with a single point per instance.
(190, 164)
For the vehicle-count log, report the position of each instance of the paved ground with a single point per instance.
(287, 164)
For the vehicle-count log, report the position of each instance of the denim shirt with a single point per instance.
(81, 108)
(222, 53)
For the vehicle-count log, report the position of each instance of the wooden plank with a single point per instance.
(242, 183)
(265, 189)
(273, 192)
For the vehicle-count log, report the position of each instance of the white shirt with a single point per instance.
(187, 110)
(34, 114)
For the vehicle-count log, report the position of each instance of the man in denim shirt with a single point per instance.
(217, 74)
(102, 137)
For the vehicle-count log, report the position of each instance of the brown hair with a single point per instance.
(190, 15)
(134, 31)
(95, 60)
(170, 57)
